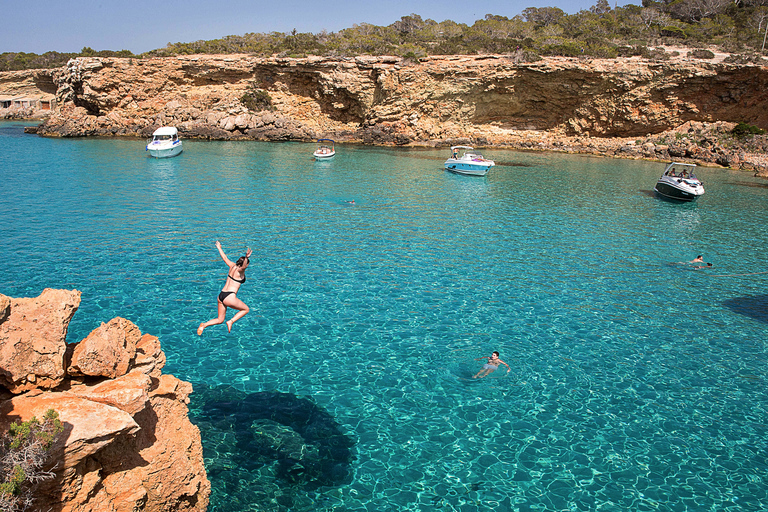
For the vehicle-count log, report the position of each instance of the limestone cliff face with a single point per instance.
(33, 82)
(388, 100)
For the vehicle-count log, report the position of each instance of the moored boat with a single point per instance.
(470, 162)
(679, 182)
(325, 149)
(165, 143)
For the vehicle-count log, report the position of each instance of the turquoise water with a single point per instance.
(636, 384)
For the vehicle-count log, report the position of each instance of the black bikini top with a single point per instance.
(236, 280)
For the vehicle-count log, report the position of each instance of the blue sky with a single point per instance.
(140, 25)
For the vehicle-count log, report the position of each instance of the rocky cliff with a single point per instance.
(127, 442)
(484, 100)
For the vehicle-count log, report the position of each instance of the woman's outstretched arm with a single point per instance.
(223, 256)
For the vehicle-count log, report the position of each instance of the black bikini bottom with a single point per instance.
(224, 295)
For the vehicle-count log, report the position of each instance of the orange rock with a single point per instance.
(32, 340)
(129, 393)
(88, 426)
(107, 351)
(149, 357)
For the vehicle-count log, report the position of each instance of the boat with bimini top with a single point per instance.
(679, 182)
(470, 162)
(165, 143)
(325, 149)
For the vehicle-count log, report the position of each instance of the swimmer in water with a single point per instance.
(491, 365)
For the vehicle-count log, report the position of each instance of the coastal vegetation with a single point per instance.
(23, 454)
(738, 27)
(256, 99)
(15, 61)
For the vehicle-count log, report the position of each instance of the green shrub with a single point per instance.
(23, 453)
(748, 58)
(701, 54)
(745, 130)
(672, 31)
(256, 100)
(630, 51)
(654, 54)
(563, 49)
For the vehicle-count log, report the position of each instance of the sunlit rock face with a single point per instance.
(389, 100)
(127, 442)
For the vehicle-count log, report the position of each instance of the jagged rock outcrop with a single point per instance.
(107, 351)
(127, 443)
(32, 339)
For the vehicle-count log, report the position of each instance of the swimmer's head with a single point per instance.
(495, 353)
(243, 262)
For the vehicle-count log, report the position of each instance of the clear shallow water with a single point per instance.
(635, 384)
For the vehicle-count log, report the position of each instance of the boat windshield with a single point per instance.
(682, 171)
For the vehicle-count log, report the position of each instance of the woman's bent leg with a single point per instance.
(233, 302)
(214, 321)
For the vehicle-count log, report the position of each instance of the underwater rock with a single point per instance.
(269, 441)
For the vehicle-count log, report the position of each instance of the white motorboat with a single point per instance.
(325, 149)
(679, 182)
(165, 143)
(469, 162)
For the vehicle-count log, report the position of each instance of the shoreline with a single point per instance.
(629, 107)
(697, 143)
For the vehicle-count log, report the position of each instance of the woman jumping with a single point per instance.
(228, 296)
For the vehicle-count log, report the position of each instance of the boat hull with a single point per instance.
(466, 168)
(164, 150)
(321, 156)
(678, 193)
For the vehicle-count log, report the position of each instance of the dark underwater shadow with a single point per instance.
(504, 163)
(755, 307)
(748, 184)
(258, 445)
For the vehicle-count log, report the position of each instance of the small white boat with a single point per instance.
(165, 143)
(679, 182)
(469, 162)
(325, 149)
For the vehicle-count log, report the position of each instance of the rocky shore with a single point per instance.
(678, 108)
(127, 442)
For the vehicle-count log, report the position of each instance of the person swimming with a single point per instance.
(491, 366)
(228, 295)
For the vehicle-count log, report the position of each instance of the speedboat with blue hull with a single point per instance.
(470, 162)
(679, 182)
(165, 143)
